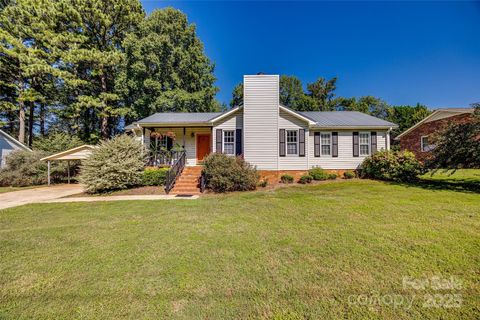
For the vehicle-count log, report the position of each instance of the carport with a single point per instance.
(78, 153)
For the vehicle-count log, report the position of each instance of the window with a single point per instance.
(425, 145)
(229, 142)
(292, 142)
(325, 142)
(364, 142)
(162, 142)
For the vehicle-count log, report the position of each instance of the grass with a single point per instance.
(10, 189)
(463, 179)
(291, 253)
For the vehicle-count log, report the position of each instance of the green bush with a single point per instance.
(348, 175)
(392, 165)
(286, 178)
(263, 183)
(117, 164)
(318, 174)
(154, 176)
(225, 173)
(305, 179)
(24, 168)
(332, 176)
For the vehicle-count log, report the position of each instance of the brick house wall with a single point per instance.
(411, 141)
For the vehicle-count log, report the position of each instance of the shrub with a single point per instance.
(24, 168)
(117, 164)
(349, 175)
(318, 174)
(154, 176)
(305, 179)
(286, 178)
(225, 173)
(392, 165)
(263, 183)
(332, 176)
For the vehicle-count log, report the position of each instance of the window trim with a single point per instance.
(429, 147)
(297, 142)
(322, 144)
(368, 144)
(234, 142)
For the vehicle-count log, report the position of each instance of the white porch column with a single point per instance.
(48, 170)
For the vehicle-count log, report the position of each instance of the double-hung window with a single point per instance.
(425, 145)
(229, 142)
(364, 142)
(292, 142)
(162, 142)
(326, 144)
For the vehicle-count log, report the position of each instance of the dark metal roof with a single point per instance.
(179, 117)
(331, 119)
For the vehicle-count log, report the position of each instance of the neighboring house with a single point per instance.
(418, 138)
(268, 135)
(9, 144)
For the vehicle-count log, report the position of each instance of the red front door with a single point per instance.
(203, 146)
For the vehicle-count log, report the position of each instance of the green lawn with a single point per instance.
(10, 189)
(293, 253)
(463, 175)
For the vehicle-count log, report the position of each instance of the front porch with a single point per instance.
(165, 144)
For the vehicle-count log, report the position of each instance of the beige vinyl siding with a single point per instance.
(190, 140)
(260, 114)
(293, 162)
(232, 122)
(345, 159)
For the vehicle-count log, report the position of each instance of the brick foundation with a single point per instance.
(274, 176)
(411, 141)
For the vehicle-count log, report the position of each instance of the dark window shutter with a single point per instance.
(334, 144)
(316, 142)
(301, 143)
(355, 144)
(219, 141)
(373, 142)
(281, 143)
(238, 142)
(169, 143)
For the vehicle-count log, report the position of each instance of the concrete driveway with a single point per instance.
(42, 194)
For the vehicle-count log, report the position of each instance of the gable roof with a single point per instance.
(14, 141)
(316, 119)
(436, 115)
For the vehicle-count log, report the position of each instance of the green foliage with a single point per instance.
(332, 176)
(349, 174)
(318, 173)
(166, 67)
(406, 116)
(24, 168)
(117, 164)
(305, 179)
(457, 147)
(57, 142)
(225, 173)
(154, 176)
(392, 165)
(286, 178)
(263, 183)
(322, 92)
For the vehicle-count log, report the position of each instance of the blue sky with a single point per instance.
(404, 53)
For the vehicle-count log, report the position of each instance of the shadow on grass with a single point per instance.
(470, 186)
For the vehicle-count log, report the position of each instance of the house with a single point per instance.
(268, 135)
(418, 138)
(7, 145)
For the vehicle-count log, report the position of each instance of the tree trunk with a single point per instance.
(21, 127)
(104, 124)
(42, 119)
(30, 124)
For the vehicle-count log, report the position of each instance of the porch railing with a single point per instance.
(175, 171)
(158, 158)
